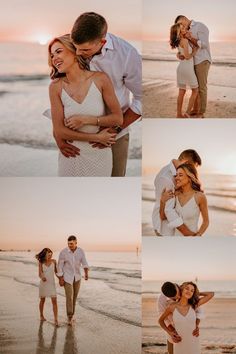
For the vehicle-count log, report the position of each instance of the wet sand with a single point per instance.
(21, 331)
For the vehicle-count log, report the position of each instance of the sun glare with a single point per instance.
(43, 38)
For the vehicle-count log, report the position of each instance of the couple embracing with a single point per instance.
(180, 199)
(94, 74)
(191, 38)
(179, 308)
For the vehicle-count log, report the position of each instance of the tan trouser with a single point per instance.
(201, 71)
(170, 347)
(119, 156)
(71, 291)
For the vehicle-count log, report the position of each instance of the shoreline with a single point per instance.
(22, 332)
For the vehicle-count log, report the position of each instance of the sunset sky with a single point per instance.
(180, 258)
(164, 139)
(218, 15)
(104, 213)
(39, 20)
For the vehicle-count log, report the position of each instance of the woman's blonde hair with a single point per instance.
(191, 172)
(175, 35)
(66, 41)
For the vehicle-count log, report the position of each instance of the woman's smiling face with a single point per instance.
(181, 178)
(188, 291)
(62, 58)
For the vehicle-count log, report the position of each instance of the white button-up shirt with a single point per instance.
(201, 33)
(163, 302)
(165, 180)
(69, 264)
(123, 64)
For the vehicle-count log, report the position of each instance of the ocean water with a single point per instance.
(220, 191)
(24, 97)
(114, 285)
(222, 289)
(223, 53)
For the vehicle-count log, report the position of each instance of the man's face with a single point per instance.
(178, 294)
(184, 22)
(88, 49)
(72, 245)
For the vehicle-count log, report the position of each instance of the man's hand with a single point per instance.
(61, 281)
(175, 337)
(180, 56)
(188, 35)
(196, 332)
(68, 150)
(99, 145)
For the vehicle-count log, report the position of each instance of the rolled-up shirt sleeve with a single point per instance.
(200, 313)
(60, 265)
(203, 36)
(84, 262)
(174, 220)
(133, 79)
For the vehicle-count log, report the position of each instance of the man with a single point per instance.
(171, 292)
(198, 35)
(70, 260)
(165, 181)
(120, 60)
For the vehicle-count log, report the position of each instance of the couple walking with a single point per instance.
(191, 38)
(179, 198)
(94, 74)
(67, 271)
(179, 309)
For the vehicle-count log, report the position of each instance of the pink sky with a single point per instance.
(104, 213)
(31, 21)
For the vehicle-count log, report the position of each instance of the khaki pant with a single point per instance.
(71, 291)
(201, 71)
(119, 156)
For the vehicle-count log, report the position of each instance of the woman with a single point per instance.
(79, 99)
(185, 71)
(47, 288)
(184, 318)
(190, 200)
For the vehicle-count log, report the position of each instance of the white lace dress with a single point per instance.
(184, 326)
(91, 161)
(186, 76)
(48, 288)
(189, 213)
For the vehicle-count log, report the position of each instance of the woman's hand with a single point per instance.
(106, 138)
(194, 50)
(76, 122)
(166, 195)
(44, 279)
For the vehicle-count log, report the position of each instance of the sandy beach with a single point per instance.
(160, 92)
(217, 329)
(21, 331)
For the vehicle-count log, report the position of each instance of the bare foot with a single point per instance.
(180, 116)
(42, 318)
(186, 115)
(70, 321)
(200, 116)
(193, 113)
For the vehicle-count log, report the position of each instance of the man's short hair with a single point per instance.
(88, 27)
(169, 289)
(72, 238)
(190, 155)
(180, 17)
